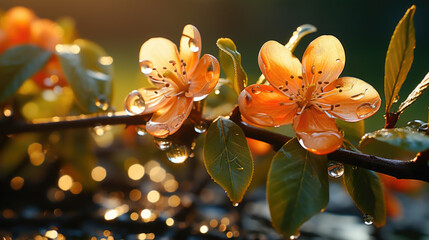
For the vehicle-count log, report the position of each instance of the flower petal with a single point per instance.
(168, 120)
(204, 78)
(317, 132)
(190, 47)
(351, 99)
(265, 106)
(16, 23)
(323, 60)
(159, 56)
(46, 34)
(280, 67)
(155, 99)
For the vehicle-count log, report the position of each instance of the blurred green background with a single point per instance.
(364, 28)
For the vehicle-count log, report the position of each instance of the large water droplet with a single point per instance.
(178, 154)
(162, 144)
(193, 46)
(365, 109)
(141, 130)
(335, 169)
(146, 66)
(357, 96)
(256, 90)
(201, 127)
(235, 204)
(102, 103)
(368, 219)
(134, 103)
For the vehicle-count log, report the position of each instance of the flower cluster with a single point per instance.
(309, 95)
(19, 26)
(179, 79)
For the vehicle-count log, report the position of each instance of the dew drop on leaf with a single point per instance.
(235, 204)
(335, 169)
(141, 130)
(134, 103)
(177, 154)
(368, 219)
(295, 236)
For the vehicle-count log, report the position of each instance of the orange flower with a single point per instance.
(309, 95)
(19, 25)
(179, 79)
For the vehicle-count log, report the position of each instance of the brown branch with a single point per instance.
(414, 169)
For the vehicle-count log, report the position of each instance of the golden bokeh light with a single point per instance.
(65, 182)
(204, 229)
(146, 213)
(229, 234)
(105, 60)
(169, 222)
(213, 223)
(30, 110)
(153, 196)
(76, 188)
(135, 195)
(225, 221)
(174, 201)
(134, 216)
(51, 234)
(171, 185)
(17, 183)
(98, 174)
(8, 213)
(37, 158)
(136, 171)
(111, 214)
(157, 174)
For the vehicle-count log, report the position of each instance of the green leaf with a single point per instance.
(230, 60)
(366, 191)
(403, 138)
(297, 187)
(227, 158)
(414, 95)
(89, 72)
(353, 131)
(17, 64)
(399, 57)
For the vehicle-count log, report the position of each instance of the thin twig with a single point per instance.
(414, 169)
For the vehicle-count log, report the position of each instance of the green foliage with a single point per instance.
(230, 60)
(17, 64)
(399, 57)
(89, 72)
(366, 191)
(402, 138)
(297, 187)
(227, 158)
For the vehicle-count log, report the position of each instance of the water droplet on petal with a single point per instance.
(201, 127)
(102, 103)
(178, 154)
(217, 91)
(365, 109)
(193, 46)
(134, 103)
(357, 96)
(256, 90)
(368, 219)
(235, 204)
(141, 130)
(146, 66)
(335, 169)
(162, 144)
